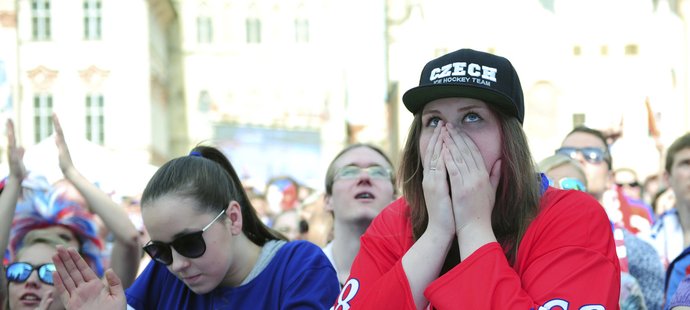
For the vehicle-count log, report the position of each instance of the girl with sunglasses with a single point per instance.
(29, 205)
(68, 209)
(30, 277)
(209, 248)
(478, 227)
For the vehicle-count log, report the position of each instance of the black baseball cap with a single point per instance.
(470, 74)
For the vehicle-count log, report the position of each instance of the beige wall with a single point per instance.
(557, 83)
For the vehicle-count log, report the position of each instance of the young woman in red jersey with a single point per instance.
(477, 226)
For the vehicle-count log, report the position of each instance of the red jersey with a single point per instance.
(566, 261)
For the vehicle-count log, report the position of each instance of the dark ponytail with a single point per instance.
(207, 176)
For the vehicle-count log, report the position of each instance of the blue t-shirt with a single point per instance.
(298, 277)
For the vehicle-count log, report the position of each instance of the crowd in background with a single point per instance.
(648, 215)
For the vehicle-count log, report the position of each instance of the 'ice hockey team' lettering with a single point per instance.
(463, 69)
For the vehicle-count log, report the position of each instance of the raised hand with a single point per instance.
(13, 186)
(126, 250)
(15, 155)
(64, 157)
(473, 190)
(80, 288)
(435, 184)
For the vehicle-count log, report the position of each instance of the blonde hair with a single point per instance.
(41, 236)
(31, 238)
(558, 160)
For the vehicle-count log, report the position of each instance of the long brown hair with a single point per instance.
(517, 195)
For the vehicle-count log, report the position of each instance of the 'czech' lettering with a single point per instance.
(464, 69)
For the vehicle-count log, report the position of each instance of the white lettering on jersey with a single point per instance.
(347, 293)
(551, 304)
(560, 304)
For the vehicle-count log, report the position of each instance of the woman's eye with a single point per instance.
(472, 117)
(433, 122)
(65, 237)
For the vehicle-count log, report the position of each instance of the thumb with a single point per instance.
(495, 174)
(46, 300)
(113, 283)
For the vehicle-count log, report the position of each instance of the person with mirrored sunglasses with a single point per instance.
(19, 272)
(589, 146)
(25, 290)
(359, 183)
(209, 250)
(592, 155)
(30, 277)
(37, 205)
(638, 258)
(563, 172)
(571, 183)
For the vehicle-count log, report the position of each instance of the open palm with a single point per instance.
(80, 288)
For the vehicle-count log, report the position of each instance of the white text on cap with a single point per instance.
(475, 70)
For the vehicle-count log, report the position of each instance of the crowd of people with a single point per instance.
(468, 219)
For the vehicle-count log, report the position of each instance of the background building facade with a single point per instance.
(111, 70)
(282, 85)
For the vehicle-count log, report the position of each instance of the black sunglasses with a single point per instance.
(631, 184)
(189, 245)
(19, 272)
(593, 155)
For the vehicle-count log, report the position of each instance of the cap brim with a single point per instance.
(415, 98)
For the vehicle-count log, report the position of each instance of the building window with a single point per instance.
(92, 19)
(94, 119)
(631, 49)
(577, 50)
(204, 29)
(253, 30)
(301, 30)
(578, 119)
(40, 19)
(43, 120)
(604, 50)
